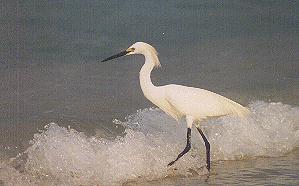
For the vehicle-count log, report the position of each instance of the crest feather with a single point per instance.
(154, 51)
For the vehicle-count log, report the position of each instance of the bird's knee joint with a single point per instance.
(188, 146)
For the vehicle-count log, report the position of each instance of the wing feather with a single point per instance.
(202, 103)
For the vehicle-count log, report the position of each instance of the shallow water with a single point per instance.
(100, 128)
(59, 155)
(260, 171)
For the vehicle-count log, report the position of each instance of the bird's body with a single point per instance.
(179, 101)
(183, 101)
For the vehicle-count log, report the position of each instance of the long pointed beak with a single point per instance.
(122, 53)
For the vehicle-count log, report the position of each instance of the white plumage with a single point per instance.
(184, 101)
(179, 101)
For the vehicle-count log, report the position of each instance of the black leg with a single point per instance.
(207, 144)
(187, 148)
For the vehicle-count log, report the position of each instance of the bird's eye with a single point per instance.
(130, 49)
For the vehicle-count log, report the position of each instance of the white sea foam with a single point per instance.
(63, 156)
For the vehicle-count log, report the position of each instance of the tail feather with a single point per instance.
(238, 109)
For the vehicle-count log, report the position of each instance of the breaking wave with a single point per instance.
(151, 139)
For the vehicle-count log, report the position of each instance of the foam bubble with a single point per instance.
(152, 139)
(271, 130)
(71, 157)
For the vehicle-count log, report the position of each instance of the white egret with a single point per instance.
(178, 101)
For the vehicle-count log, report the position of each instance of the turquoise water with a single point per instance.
(50, 76)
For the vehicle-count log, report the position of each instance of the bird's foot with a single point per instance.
(208, 167)
(186, 149)
(171, 163)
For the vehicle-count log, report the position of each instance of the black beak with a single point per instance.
(116, 55)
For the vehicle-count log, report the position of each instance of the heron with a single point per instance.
(193, 104)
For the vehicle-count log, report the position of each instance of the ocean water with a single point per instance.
(66, 119)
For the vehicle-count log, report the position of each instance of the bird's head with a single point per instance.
(138, 48)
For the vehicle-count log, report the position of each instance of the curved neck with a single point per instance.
(145, 76)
